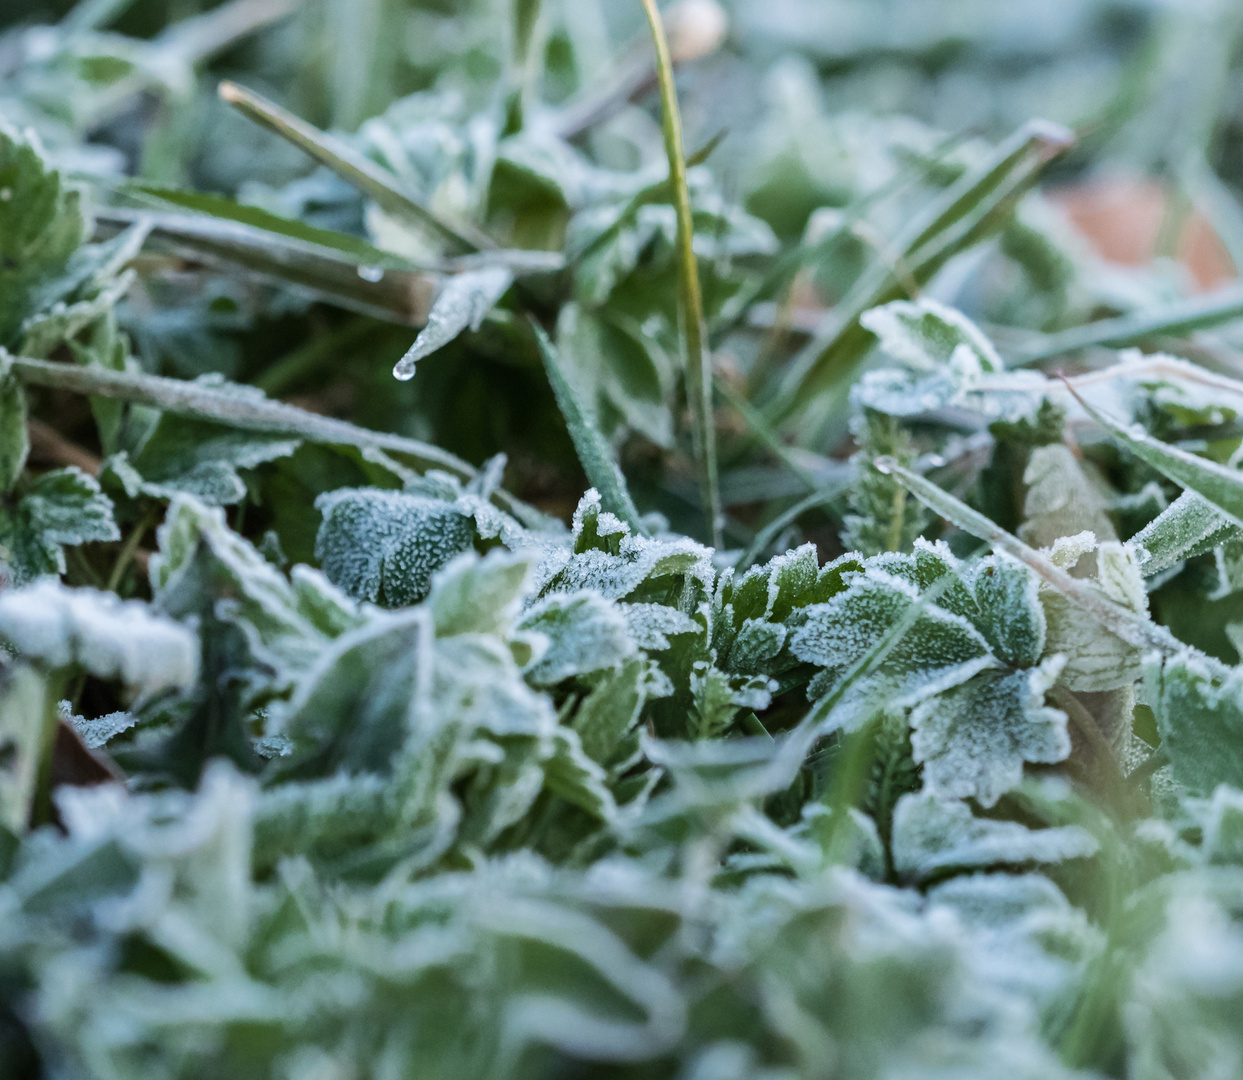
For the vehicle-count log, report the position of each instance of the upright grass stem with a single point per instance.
(690, 295)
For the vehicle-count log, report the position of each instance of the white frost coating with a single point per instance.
(584, 633)
(1068, 550)
(463, 302)
(931, 835)
(973, 739)
(109, 637)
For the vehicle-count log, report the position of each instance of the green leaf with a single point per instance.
(41, 226)
(933, 837)
(602, 471)
(463, 302)
(386, 545)
(24, 742)
(14, 440)
(939, 651)
(60, 509)
(973, 739)
(200, 458)
(1199, 711)
(927, 335)
(584, 633)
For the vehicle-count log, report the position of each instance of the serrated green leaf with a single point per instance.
(61, 508)
(584, 633)
(939, 651)
(1199, 711)
(40, 226)
(973, 739)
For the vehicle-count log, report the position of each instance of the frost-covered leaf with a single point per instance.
(1062, 499)
(1189, 526)
(652, 624)
(926, 335)
(97, 631)
(24, 742)
(386, 545)
(462, 304)
(717, 697)
(932, 837)
(1221, 822)
(59, 509)
(584, 633)
(199, 458)
(100, 730)
(1199, 710)
(1096, 659)
(609, 560)
(612, 708)
(939, 651)
(479, 596)
(973, 739)
(40, 226)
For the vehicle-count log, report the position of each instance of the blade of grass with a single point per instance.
(226, 406)
(690, 297)
(372, 180)
(593, 452)
(1220, 485)
(1170, 320)
(395, 295)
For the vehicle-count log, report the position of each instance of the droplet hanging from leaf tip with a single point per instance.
(403, 370)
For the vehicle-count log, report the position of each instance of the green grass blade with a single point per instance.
(1169, 320)
(338, 276)
(371, 179)
(1221, 486)
(224, 405)
(690, 296)
(593, 452)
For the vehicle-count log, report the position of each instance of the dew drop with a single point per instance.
(6, 193)
(403, 370)
(372, 274)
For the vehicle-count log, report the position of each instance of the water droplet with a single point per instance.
(403, 370)
(6, 193)
(371, 273)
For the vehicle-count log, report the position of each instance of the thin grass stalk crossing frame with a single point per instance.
(690, 296)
